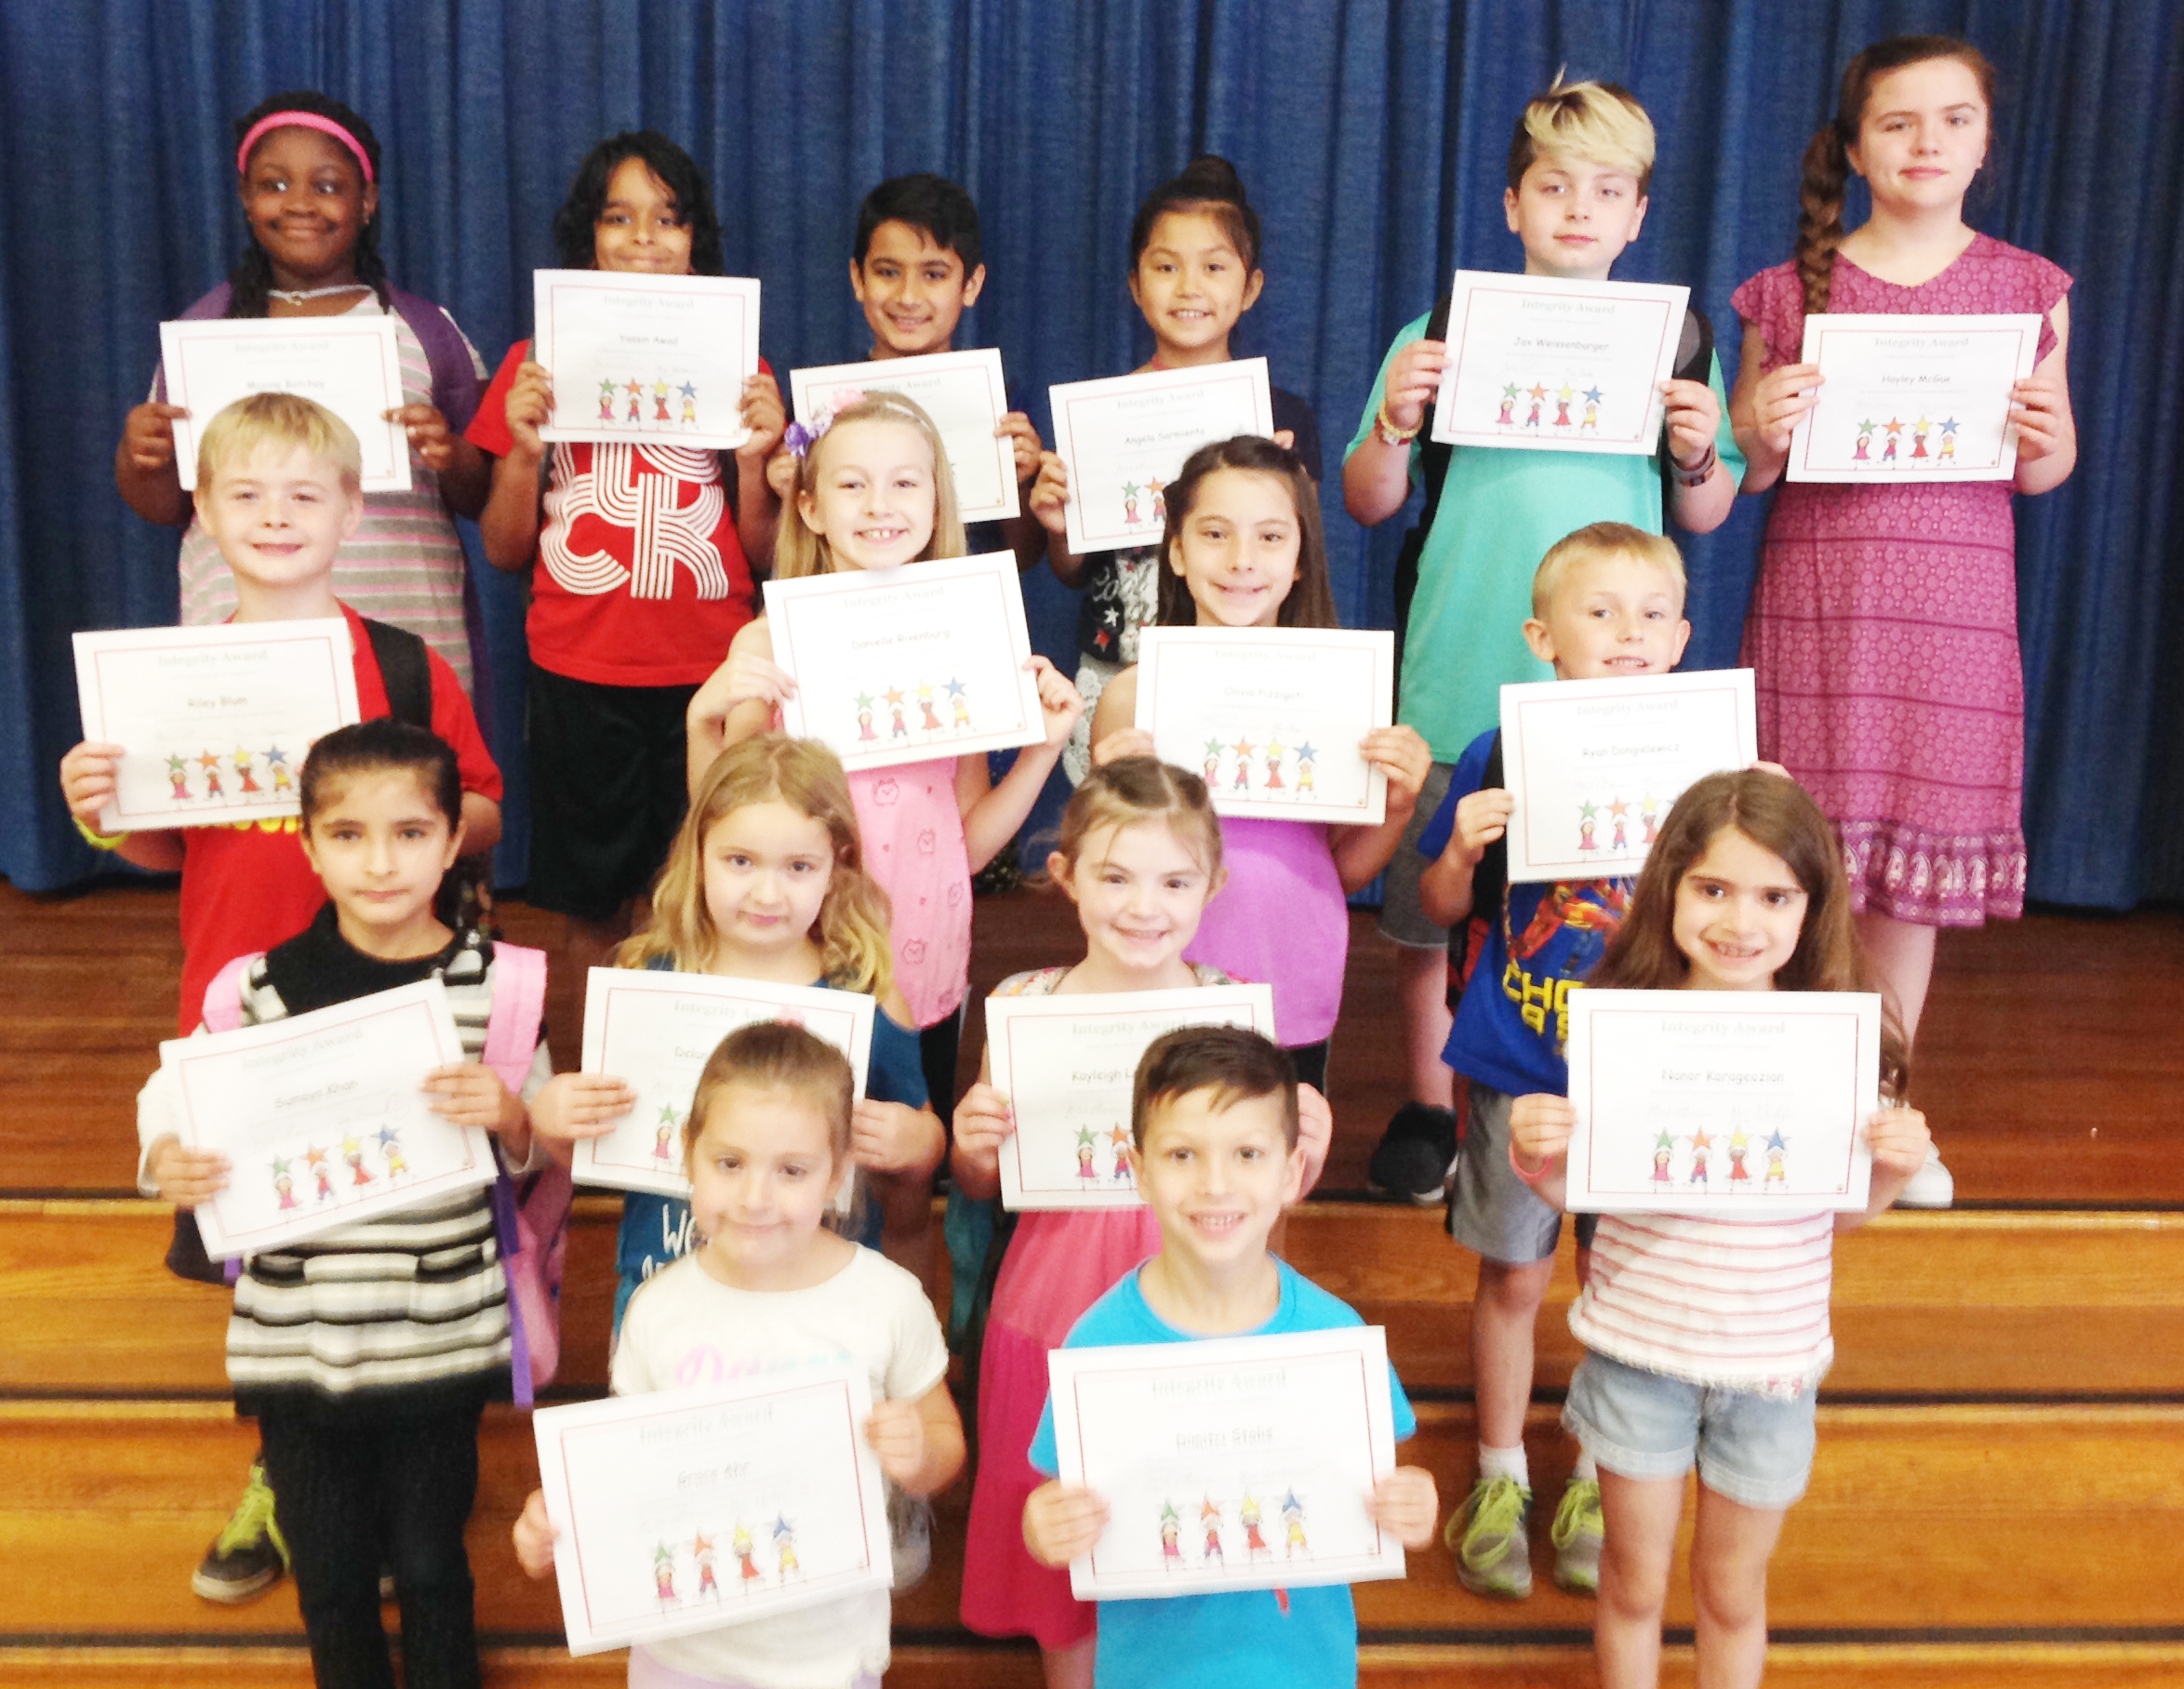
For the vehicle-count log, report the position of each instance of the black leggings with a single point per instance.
(343, 1488)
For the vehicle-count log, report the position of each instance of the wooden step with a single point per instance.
(1920, 1520)
(2002, 1304)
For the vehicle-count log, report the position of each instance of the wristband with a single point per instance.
(97, 840)
(1518, 1167)
(1698, 473)
(1384, 426)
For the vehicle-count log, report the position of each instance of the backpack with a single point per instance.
(530, 1216)
(1489, 886)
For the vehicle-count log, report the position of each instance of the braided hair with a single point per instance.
(250, 282)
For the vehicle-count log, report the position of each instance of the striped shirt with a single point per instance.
(1736, 1304)
(405, 564)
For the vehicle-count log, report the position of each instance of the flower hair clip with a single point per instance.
(800, 436)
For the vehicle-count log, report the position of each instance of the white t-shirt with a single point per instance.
(685, 1328)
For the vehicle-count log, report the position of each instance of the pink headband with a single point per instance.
(300, 120)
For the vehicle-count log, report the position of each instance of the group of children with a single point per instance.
(658, 768)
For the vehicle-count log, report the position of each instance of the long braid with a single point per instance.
(1819, 213)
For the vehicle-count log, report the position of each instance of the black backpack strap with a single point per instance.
(404, 671)
(1489, 883)
(1433, 468)
(1694, 362)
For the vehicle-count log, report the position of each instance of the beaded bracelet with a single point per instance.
(1384, 426)
(1698, 475)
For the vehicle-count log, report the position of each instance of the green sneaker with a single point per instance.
(249, 1554)
(1492, 1546)
(1577, 1534)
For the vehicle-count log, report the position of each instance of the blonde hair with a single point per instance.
(1133, 789)
(799, 552)
(277, 419)
(1599, 540)
(1601, 122)
(774, 1056)
(852, 926)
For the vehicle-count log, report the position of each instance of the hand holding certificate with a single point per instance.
(687, 1511)
(1068, 1065)
(646, 359)
(961, 392)
(1596, 766)
(1124, 439)
(908, 664)
(1722, 1102)
(1555, 365)
(1235, 1463)
(1912, 398)
(348, 363)
(1274, 717)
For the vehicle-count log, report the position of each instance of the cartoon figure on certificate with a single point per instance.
(701, 1552)
(1130, 504)
(1616, 811)
(1739, 1146)
(1254, 1543)
(962, 705)
(785, 1561)
(1118, 1143)
(1084, 1153)
(277, 763)
(1591, 419)
(1889, 449)
(1508, 407)
(1293, 1524)
(391, 1152)
(1865, 440)
(1948, 441)
(179, 771)
(1304, 756)
(663, 1575)
(1243, 780)
(1171, 1534)
(1562, 396)
(1585, 813)
(864, 716)
(606, 399)
(1649, 815)
(213, 789)
(894, 697)
(1776, 1175)
(1919, 438)
(322, 1170)
(663, 1133)
(1209, 1516)
(635, 388)
(284, 1184)
(246, 786)
(1701, 1144)
(746, 1555)
(1213, 761)
(1157, 487)
(924, 701)
(1538, 397)
(659, 392)
(352, 1152)
(1664, 1149)
(689, 391)
(1273, 756)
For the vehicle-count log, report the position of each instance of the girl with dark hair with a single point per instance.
(1883, 633)
(309, 172)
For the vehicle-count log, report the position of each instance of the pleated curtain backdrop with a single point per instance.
(1372, 136)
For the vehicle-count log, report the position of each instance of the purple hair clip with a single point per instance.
(800, 438)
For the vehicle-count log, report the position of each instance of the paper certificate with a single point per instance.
(657, 1030)
(1067, 1066)
(647, 360)
(1239, 1463)
(325, 1118)
(1271, 716)
(909, 664)
(961, 391)
(215, 721)
(1912, 398)
(1722, 1102)
(1124, 439)
(1555, 365)
(1594, 765)
(348, 363)
(691, 1510)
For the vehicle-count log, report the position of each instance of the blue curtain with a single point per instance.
(1372, 133)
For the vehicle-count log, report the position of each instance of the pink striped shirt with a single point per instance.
(1736, 1304)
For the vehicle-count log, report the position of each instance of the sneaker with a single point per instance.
(1416, 1154)
(249, 1555)
(1492, 1546)
(1577, 1535)
(1930, 1186)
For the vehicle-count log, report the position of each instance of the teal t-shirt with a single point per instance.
(1500, 510)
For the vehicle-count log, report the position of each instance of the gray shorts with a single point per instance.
(1754, 1449)
(1401, 919)
(1491, 1211)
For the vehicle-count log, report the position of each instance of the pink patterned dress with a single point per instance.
(1883, 632)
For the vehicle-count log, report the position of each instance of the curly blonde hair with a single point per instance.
(799, 552)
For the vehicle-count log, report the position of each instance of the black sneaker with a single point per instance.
(248, 1556)
(1416, 1154)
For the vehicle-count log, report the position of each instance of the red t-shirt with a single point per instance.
(639, 579)
(247, 884)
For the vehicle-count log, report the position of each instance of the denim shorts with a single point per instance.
(1754, 1449)
(1401, 918)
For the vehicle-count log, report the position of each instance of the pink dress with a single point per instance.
(1281, 918)
(1058, 1264)
(913, 846)
(1883, 632)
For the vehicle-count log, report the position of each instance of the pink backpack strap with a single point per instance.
(224, 998)
(518, 1011)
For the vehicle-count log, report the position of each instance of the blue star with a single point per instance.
(955, 689)
(1305, 753)
(1948, 427)
(688, 390)
(1592, 395)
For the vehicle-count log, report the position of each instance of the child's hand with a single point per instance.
(1059, 700)
(1408, 759)
(187, 1177)
(1768, 767)
(1050, 495)
(1407, 1506)
(429, 434)
(530, 405)
(534, 1536)
(2039, 406)
(897, 1431)
(148, 435)
(1413, 380)
(1315, 1135)
(764, 417)
(1539, 1128)
(571, 1107)
(1129, 742)
(1482, 817)
(745, 678)
(87, 776)
(894, 1138)
(1061, 1522)
(1024, 442)
(983, 1123)
(781, 474)
(1899, 1139)
(1782, 397)
(471, 1093)
(1694, 414)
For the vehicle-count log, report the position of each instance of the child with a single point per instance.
(1883, 633)
(769, 1286)
(367, 1353)
(1606, 601)
(1579, 166)
(643, 561)
(1193, 273)
(1244, 551)
(1214, 1120)
(310, 170)
(1744, 891)
(767, 882)
(873, 492)
(1139, 853)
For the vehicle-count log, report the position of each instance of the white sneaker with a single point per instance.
(1930, 1186)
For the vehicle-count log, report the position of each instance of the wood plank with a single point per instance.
(1984, 1516)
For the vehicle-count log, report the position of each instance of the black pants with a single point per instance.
(345, 1485)
(939, 1047)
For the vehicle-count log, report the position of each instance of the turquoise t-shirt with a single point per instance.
(1500, 510)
